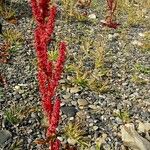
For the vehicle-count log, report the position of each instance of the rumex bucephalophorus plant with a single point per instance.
(110, 20)
(49, 73)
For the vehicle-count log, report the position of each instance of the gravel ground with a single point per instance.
(102, 113)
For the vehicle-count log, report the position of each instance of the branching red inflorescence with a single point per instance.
(49, 74)
(110, 20)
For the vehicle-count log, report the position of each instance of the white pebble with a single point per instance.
(92, 16)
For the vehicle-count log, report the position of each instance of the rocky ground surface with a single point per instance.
(102, 113)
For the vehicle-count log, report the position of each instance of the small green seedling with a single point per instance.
(124, 116)
(13, 37)
(142, 69)
(16, 113)
(138, 80)
(74, 131)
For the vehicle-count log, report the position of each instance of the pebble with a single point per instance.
(70, 111)
(17, 97)
(92, 16)
(74, 90)
(81, 115)
(33, 115)
(118, 120)
(67, 96)
(74, 103)
(82, 102)
(71, 141)
(17, 88)
(5, 137)
(60, 138)
(71, 118)
(141, 34)
(91, 124)
(95, 128)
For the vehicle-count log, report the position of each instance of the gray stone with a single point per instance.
(70, 111)
(5, 137)
(17, 96)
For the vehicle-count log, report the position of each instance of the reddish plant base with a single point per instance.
(111, 24)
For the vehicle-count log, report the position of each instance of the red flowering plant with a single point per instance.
(49, 73)
(110, 20)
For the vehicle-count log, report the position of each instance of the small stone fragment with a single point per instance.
(74, 90)
(92, 16)
(95, 128)
(17, 88)
(82, 102)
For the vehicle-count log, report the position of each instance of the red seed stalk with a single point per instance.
(49, 74)
(110, 20)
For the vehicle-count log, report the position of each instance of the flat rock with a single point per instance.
(132, 139)
(70, 111)
(5, 136)
(82, 102)
(74, 90)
